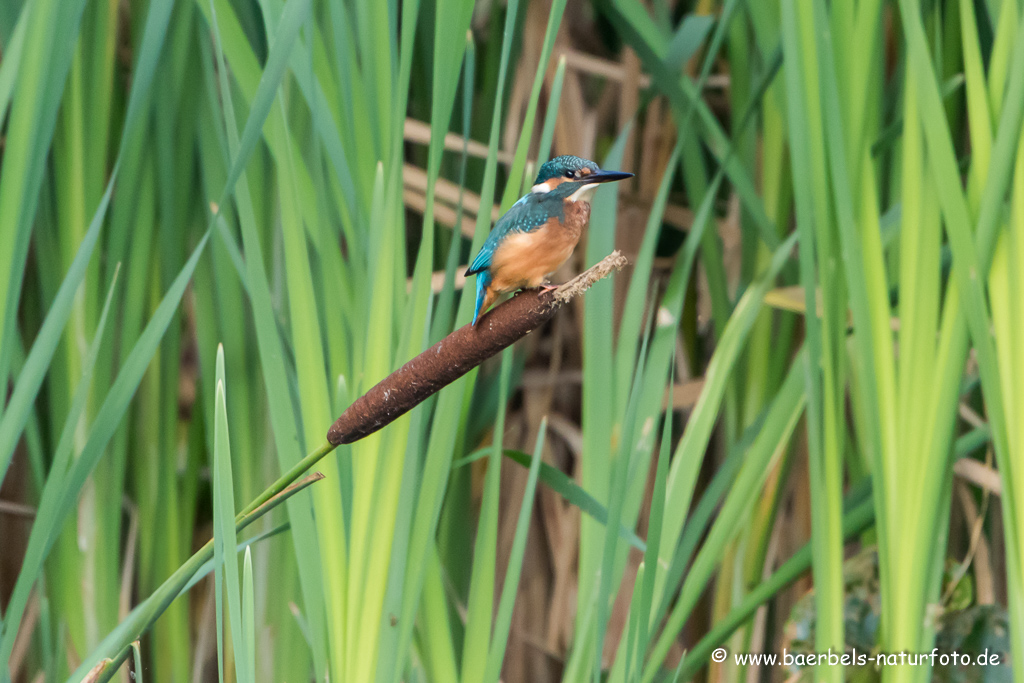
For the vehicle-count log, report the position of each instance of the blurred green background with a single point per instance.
(222, 221)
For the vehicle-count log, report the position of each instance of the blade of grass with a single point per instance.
(61, 492)
(633, 445)
(642, 608)
(137, 662)
(30, 129)
(637, 29)
(563, 485)
(476, 649)
(142, 617)
(9, 67)
(971, 257)
(689, 452)
(705, 511)
(249, 611)
(314, 402)
(633, 309)
(30, 379)
(526, 134)
(443, 313)
(503, 619)
(271, 353)
(49, 336)
(768, 446)
(224, 529)
(547, 133)
(855, 522)
(601, 424)
(820, 362)
(455, 399)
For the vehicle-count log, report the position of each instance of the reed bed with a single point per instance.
(795, 420)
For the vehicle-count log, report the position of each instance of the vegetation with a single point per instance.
(222, 221)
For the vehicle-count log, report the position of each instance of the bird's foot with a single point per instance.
(548, 287)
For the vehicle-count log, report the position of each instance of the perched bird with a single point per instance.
(539, 232)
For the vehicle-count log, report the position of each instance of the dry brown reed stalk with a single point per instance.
(460, 352)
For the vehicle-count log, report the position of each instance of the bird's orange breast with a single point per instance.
(525, 259)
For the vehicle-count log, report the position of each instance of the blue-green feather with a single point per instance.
(483, 280)
(558, 166)
(526, 215)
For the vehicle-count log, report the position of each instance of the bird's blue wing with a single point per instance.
(483, 257)
(524, 216)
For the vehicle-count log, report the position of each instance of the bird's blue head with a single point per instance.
(572, 169)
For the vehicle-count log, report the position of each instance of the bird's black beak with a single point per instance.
(605, 176)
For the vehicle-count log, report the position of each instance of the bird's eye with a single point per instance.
(569, 174)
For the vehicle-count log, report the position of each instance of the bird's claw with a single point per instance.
(548, 288)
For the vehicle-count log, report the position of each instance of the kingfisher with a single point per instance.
(540, 231)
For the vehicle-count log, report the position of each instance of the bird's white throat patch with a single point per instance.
(584, 194)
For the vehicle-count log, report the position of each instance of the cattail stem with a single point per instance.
(458, 353)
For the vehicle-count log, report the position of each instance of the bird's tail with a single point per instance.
(483, 281)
